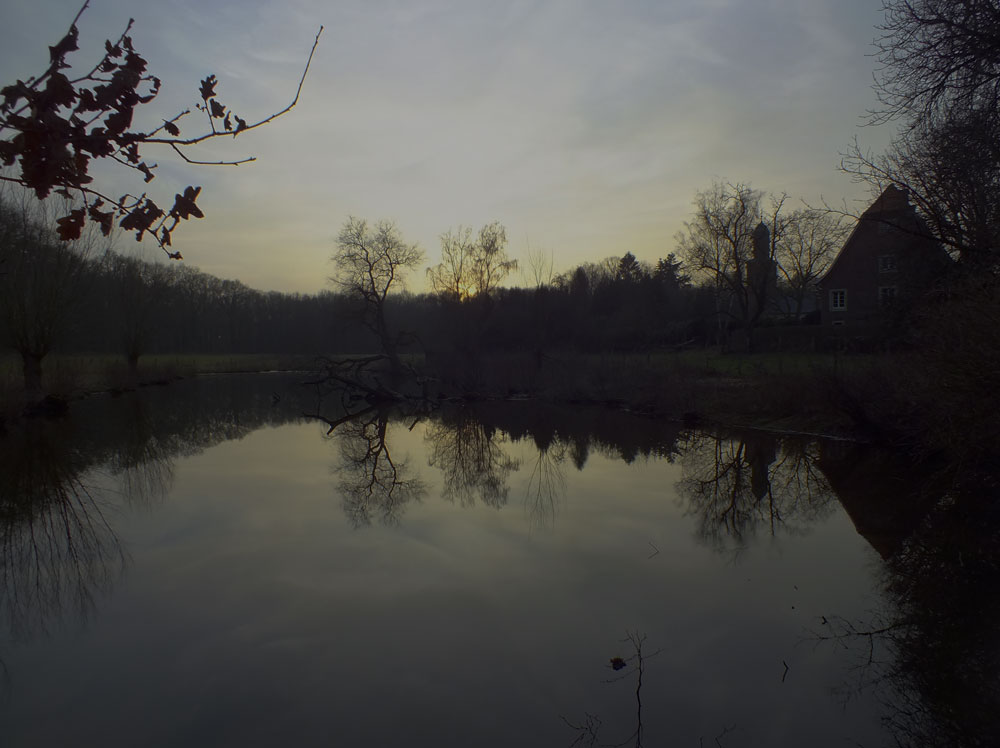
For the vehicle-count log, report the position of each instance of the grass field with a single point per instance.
(711, 361)
(72, 375)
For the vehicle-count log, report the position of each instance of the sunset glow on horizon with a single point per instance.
(586, 128)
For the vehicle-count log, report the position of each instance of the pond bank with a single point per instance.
(789, 394)
(69, 377)
(856, 397)
(939, 413)
(779, 394)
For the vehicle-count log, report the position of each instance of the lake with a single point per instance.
(204, 565)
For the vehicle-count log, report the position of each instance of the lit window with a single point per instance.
(838, 300)
(886, 295)
(887, 263)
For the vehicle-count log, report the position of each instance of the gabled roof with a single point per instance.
(892, 200)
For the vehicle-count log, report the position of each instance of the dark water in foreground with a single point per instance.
(199, 565)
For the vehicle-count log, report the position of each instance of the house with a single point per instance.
(885, 264)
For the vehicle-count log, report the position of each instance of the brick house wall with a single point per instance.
(884, 266)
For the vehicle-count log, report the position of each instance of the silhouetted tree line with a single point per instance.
(620, 304)
(134, 307)
(103, 302)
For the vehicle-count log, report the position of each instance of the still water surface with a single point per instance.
(201, 565)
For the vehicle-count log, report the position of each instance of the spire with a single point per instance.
(761, 241)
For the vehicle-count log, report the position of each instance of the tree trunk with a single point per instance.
(133, 370)
(31, 364)
(389, 349)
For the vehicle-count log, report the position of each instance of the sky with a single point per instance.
(586, 127)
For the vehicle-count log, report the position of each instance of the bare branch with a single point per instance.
(212, 163)
(54, 132)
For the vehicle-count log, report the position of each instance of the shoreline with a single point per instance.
(785, 395)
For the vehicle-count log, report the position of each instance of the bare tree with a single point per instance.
(809, 241)
(472, 267)
(940, 78)
(540, 267)
(370, 262)
(935, 55)
(719, 244)
(40, 283)
(492, 264)
(53, 126)
(140, 288)
(453, 277)
(949, 165)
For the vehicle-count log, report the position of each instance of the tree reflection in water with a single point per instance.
(58, 552)
(546, 484)
(932, 653)
(62, 483)
(472, 460)
(738, 487)
(143, 463)
(374, 485)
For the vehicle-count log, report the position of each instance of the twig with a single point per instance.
(180, 153)
(725, 731)
(215, 134)
(586, 731)
(333, 424)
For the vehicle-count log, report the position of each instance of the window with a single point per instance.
(838, 323)
(886, 295)
(887, 263)
(838, 300)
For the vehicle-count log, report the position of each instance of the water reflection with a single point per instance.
(470, 446)
(738, 487)
(58, 550)
(373, 485)
(470, 455)
(546, 485)
(931, 652)
(143, 463)
(62, 484)
(588, 729)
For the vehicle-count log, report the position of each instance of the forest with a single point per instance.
(747, 263)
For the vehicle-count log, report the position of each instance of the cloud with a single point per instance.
(585, 126)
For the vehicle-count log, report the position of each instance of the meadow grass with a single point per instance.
(780, 390)
(71, 375)
(791, 391)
